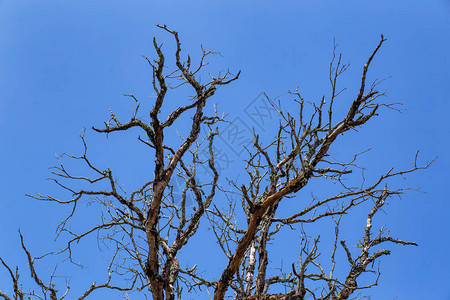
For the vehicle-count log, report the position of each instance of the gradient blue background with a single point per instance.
(63, 64)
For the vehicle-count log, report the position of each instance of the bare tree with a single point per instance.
(150, 225)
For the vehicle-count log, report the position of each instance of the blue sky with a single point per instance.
(63, 64)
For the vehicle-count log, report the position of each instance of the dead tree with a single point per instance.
(148, 227)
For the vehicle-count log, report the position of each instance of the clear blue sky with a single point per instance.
(63, 64)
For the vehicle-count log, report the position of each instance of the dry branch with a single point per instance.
(149, 227)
